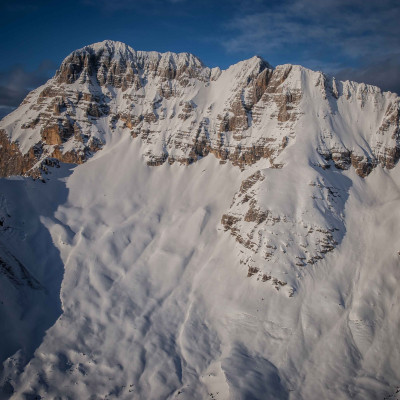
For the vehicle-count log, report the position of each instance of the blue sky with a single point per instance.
(351, 39)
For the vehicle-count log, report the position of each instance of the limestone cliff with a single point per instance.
(182, 111)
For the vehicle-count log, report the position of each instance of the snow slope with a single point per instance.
(273, 278)
(156, 305)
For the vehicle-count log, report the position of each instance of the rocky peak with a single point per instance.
(182, 110)
(117, 64)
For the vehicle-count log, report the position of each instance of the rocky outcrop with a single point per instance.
(274, 242)
(12, 161)
(344, 159)
(117, 65)
(183, 111)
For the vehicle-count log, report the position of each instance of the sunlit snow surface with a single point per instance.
(155, 304)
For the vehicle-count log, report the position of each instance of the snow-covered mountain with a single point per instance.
(228, 234)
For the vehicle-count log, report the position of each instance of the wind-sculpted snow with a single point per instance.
(157, 305)
(31, 269)
(228, 235)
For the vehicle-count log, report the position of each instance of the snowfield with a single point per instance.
(155, 304)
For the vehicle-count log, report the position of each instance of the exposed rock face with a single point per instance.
(12, 161)
(383, 137)
(183, 111)
(274, 240)
(115, 64)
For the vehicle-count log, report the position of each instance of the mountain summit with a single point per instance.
(201, 233)
(183, 110)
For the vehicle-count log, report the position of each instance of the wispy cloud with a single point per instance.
(355, 28)
(340, 35)
(4, 110)
(385, 73)
(16, 82)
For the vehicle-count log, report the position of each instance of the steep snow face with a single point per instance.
(230, 234)
(155, 303)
